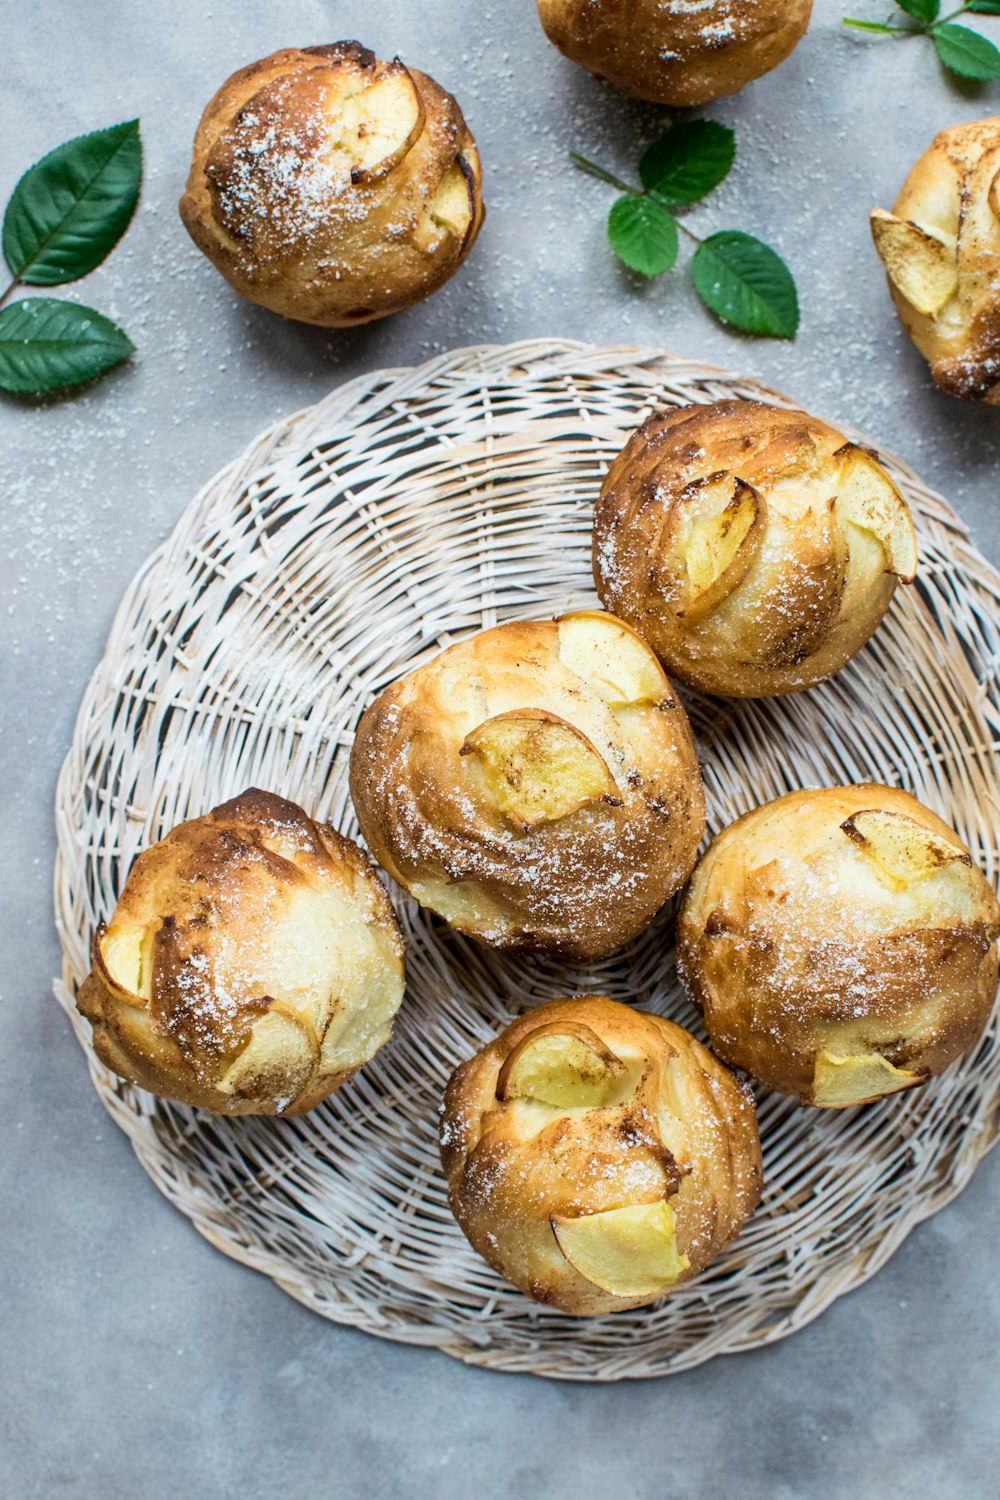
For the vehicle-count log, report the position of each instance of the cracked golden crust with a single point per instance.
(686, 1132)
(790, 943)
(279, 214)
(676, 54)
(581, 885)
(814, 589)
(252, 964)
(952, 191)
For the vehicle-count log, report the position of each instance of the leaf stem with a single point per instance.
(15, 283)
(881, 26)
(943, 20)
(594, 170)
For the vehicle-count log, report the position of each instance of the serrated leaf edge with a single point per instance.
(20, 276)
(68, 385)
(730, 322)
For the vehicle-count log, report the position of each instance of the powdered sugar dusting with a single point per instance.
(281, 177)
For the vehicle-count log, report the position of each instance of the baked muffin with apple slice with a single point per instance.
(680, 53)
(598, 1156)
(755, 548)
(536, 785)
(940, 247)
(252, 964)
(841, 944)
(332, 187)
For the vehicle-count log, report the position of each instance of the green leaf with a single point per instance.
(746, 284)
(924, 10)
(966, 52)
(46, 345)
(689, 161)
(984, 7)
(643, 234)
(72, 207)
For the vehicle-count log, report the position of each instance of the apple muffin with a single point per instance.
(536, 785)
(840, 943)
(940, 247)
(598, 1156)
(680, 53)
(753, 547)
(332, 187)
(252, 964)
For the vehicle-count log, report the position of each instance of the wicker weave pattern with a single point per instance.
(350, 542)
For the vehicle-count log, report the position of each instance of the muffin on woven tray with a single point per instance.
(598, 1156)
(754, 548)
(332, 187)
(841, 944)
(941, 251)
(536, 785)
(681, 53)
(252, 964)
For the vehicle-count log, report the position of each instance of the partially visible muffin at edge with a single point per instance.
(681, 54)
(940, 247)
(841, 944)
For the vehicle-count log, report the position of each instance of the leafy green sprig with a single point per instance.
(960, 49)
(739, 278)
(65, 215)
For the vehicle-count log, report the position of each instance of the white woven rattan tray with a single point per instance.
(349, 542)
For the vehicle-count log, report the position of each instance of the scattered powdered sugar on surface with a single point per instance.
(91, 485)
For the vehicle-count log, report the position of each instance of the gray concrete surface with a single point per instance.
(136, 1361)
